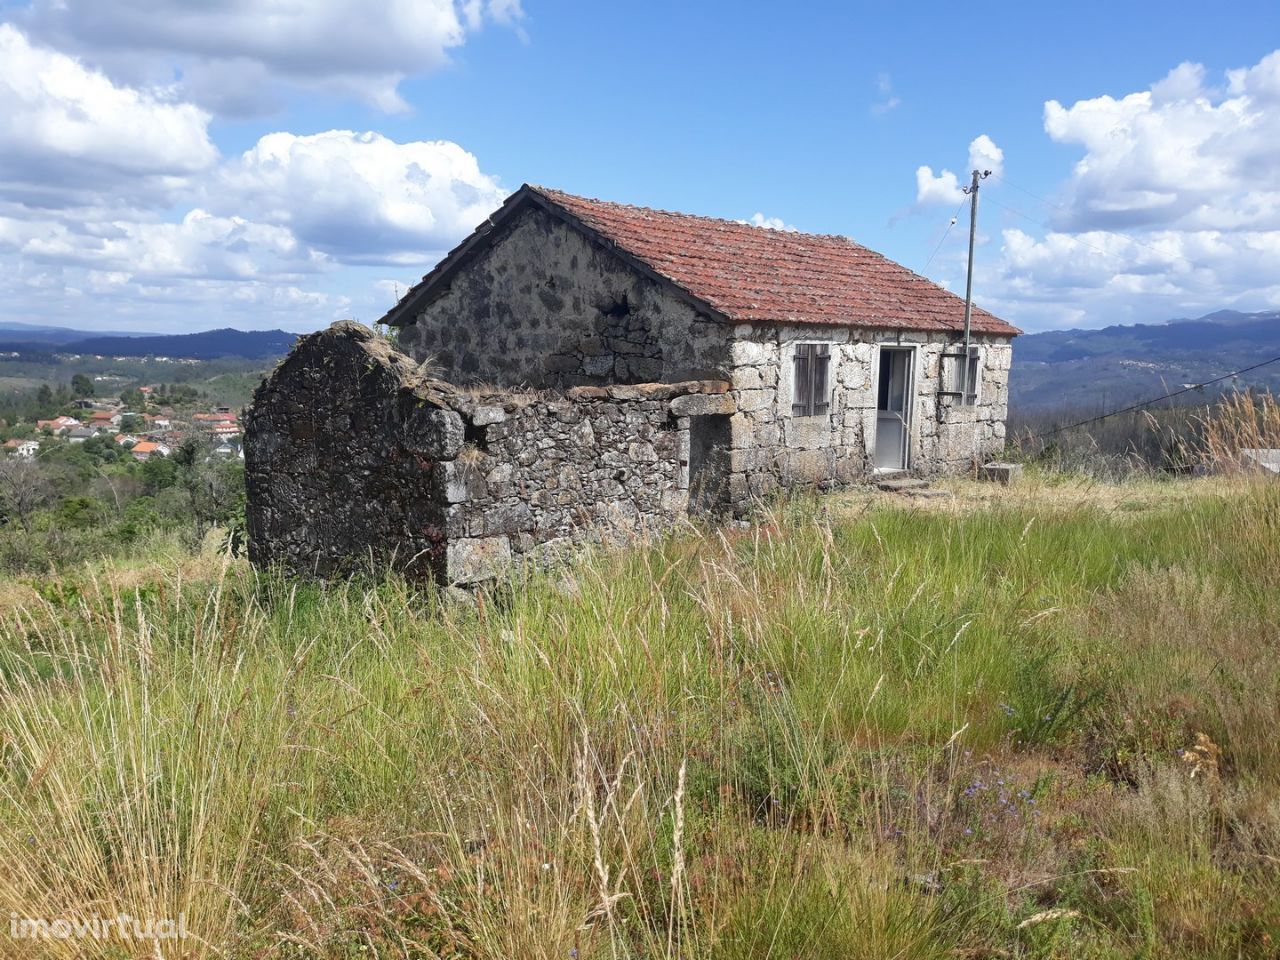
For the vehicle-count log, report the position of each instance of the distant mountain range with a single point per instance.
(209, 345)
(1112, 366)
(27, 333)
(1084, 369)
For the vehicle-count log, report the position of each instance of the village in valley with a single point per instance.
(154, 429)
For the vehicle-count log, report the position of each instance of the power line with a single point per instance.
(1072, 237)
(1051, 203)
(1147, 403)
(946, 233)
(1033, 196)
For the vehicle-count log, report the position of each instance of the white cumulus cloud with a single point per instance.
(358, 47)
(769, 223)
(1182, 153)
(942, 187)
(361, 197)
(945, 186)
(114, 199)
(68, 133)
(200, 246)
(984, 155)
(1172, 208)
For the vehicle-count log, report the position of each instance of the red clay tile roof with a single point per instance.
(743, 272)
(749, 273)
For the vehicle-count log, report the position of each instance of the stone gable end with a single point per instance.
(543, 305)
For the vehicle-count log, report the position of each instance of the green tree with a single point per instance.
(133, 399)
(214, 487)
(78, 513)
(103, 449)
(159, 473)
(82, 385)
(45, 402)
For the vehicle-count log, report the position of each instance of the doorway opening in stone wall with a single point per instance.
(709, 439)
(893, 409)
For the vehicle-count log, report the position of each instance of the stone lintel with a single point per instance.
(703, 405)
(647, 391)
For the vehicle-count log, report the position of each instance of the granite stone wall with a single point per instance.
(549, 307)
(539, 474)
(354, 460)
(770, 448)
(344, 452)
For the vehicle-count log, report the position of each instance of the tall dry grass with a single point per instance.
(1238, 423)
(901, 734)
(1153, 442)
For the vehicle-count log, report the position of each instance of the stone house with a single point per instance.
(840, 361)
(577, 369)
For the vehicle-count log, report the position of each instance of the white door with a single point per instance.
(893, 409)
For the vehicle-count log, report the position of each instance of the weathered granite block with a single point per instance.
(473, 559)
(1002, 473)
(702, 405)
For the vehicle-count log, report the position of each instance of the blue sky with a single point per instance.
(265, 163)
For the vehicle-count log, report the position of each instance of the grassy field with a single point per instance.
(1029, 723)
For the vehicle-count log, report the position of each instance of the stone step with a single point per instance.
(903, 485)
(929, 494)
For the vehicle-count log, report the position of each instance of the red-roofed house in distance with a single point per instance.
(146, 449)
(58, 425)
(840, 361)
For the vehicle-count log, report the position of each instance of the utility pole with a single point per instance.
(972, 191)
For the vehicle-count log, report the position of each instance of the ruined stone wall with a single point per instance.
(772, 448)
(354, 460)
(343, 452)
(548, 307)
(597, 463)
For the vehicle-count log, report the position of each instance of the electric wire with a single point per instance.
(1074, 239)
(1051, 203)
(946, 233)
(1146, 403)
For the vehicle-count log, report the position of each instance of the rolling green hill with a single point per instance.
(1121, 364)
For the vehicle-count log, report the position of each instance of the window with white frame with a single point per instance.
(811, 369)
